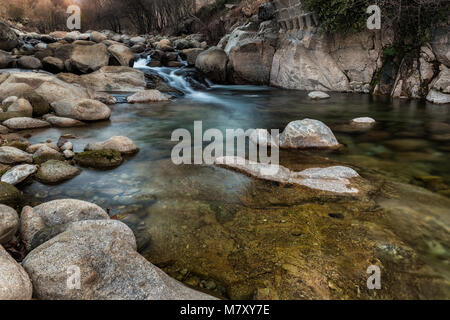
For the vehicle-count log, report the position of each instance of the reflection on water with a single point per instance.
(241, 238)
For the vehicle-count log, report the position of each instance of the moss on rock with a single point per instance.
(99, 159)
(9, 195)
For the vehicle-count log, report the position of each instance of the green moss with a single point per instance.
(9, 195)
(100, 159)
(17, 144)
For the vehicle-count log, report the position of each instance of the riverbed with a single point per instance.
(237, 237)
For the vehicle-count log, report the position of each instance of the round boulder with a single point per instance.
(121, 144)
(9, 224)
(308, 133)
(55, 171)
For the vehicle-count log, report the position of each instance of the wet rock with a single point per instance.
(308, 133)
(28, 62)
(123, 54)
(100, 159)
(89, 58)
(44, 154)
(164, 45)
(213, 63)
(363, 122)
(55, 171)
(144, 96)
(9, 224)
(332, 179)
(84, 110)
(14, 281)
(105, 252)
(53, 64)
(18, 174)
(62, 122)
(121, 144)
(407, 144)
(9, 194)
(21, 105)
(318, 95)
(11, 155)
(440, 92)
(24, 123)
(438, 97)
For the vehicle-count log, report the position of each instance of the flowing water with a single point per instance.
(237, 237)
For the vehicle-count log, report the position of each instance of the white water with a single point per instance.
(177, 80)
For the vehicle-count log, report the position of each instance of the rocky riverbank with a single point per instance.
(274, 240)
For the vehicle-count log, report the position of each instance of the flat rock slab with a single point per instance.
(335, 179)
(24, 123)
(19, 173)
(63, 122)
(318, 95)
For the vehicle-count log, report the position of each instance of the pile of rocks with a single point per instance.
(69, 235)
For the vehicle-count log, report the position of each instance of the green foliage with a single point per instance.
(339, 15)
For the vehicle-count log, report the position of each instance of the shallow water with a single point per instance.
(210, 227)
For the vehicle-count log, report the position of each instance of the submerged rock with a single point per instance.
(55, 171)
(9, 224)
(364, 121)
(308, 133)
(105, 253)
(18, 174)
(333, 179)
(14, 281)
(99, 159)
(121, 144)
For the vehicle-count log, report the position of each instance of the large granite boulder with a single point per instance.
(213, 63)
(29, 62)
(89, 58)
(440, 87)
(25, 123)
(307, 133)
(122, 54)
(104, 252)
